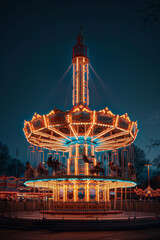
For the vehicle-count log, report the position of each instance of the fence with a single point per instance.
(127, 208)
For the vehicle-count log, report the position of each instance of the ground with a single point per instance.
(146, 234)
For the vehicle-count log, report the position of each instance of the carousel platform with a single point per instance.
(43, 181)
(80, 212)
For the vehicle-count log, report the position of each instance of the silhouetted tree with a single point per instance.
(156, 162)
(150, 12)
(4, 158)
(15, 168)
(9, 166)
(153, 143)
(155, 182)
(140, 161)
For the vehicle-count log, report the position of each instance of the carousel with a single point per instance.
(147, 193)
(89, 151)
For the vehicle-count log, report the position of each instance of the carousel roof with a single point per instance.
(58, 129)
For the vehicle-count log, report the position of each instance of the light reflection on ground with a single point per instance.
(146, 234)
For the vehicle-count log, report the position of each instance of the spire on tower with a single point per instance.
(80, 39)
(80, 49)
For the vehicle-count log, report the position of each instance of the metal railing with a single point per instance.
(51, 209)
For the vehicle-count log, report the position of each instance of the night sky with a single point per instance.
(36, 49)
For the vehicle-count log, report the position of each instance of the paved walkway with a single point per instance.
(123, 216)
(146, 234)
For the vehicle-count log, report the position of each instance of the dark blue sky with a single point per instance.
(36, 49)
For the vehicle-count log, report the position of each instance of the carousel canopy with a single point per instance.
(58, 129)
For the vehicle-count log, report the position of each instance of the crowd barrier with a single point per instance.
(138, 207)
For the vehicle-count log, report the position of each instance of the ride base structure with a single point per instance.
(78, 135)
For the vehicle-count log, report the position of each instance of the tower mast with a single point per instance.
(80, 62)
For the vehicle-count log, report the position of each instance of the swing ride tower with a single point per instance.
(79, 134)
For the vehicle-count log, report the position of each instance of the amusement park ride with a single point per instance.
(78, 136)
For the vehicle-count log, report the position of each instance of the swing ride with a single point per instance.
(84, 160)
